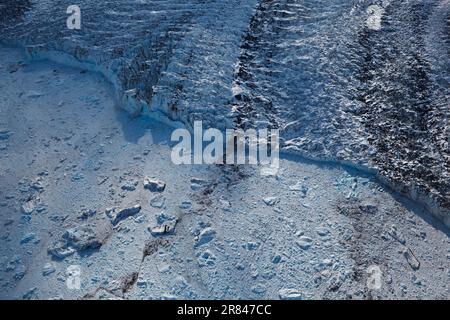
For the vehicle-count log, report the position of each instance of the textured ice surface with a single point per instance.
(342, 81)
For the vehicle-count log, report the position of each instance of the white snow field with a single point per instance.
(71, 161)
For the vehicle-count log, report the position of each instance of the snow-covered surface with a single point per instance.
(310, 232)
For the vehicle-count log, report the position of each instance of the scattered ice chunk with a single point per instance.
(304, 242)
(141, 283)
(251, 245)
(259, 288)
(166, 225)
(322, 231)
(199, 184)
(102, 179)
(75, 239)
(158, 201)
(225, 205)
(13, 263)
(87, 213)
(205, 236)
(270, 201)
(77, 176)
(299, 187)
(48, 269)
(82, 238)
(276, 259)
(4, 134)
(164, 217)
(20, 274)
(59, 250)
(154, 185)
(36, 184)
(289, 294)
(27, 238)
(394, 233)
(186, 204)
(116, 215)
(41, 207)
(159, 230)
(29, 206)
(30, 293)
(326, 262)
(411, 258)
(129, 185)
(33, 94)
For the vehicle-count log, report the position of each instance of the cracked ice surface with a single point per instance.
(339, 88)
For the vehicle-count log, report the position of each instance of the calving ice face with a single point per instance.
(234, 146)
